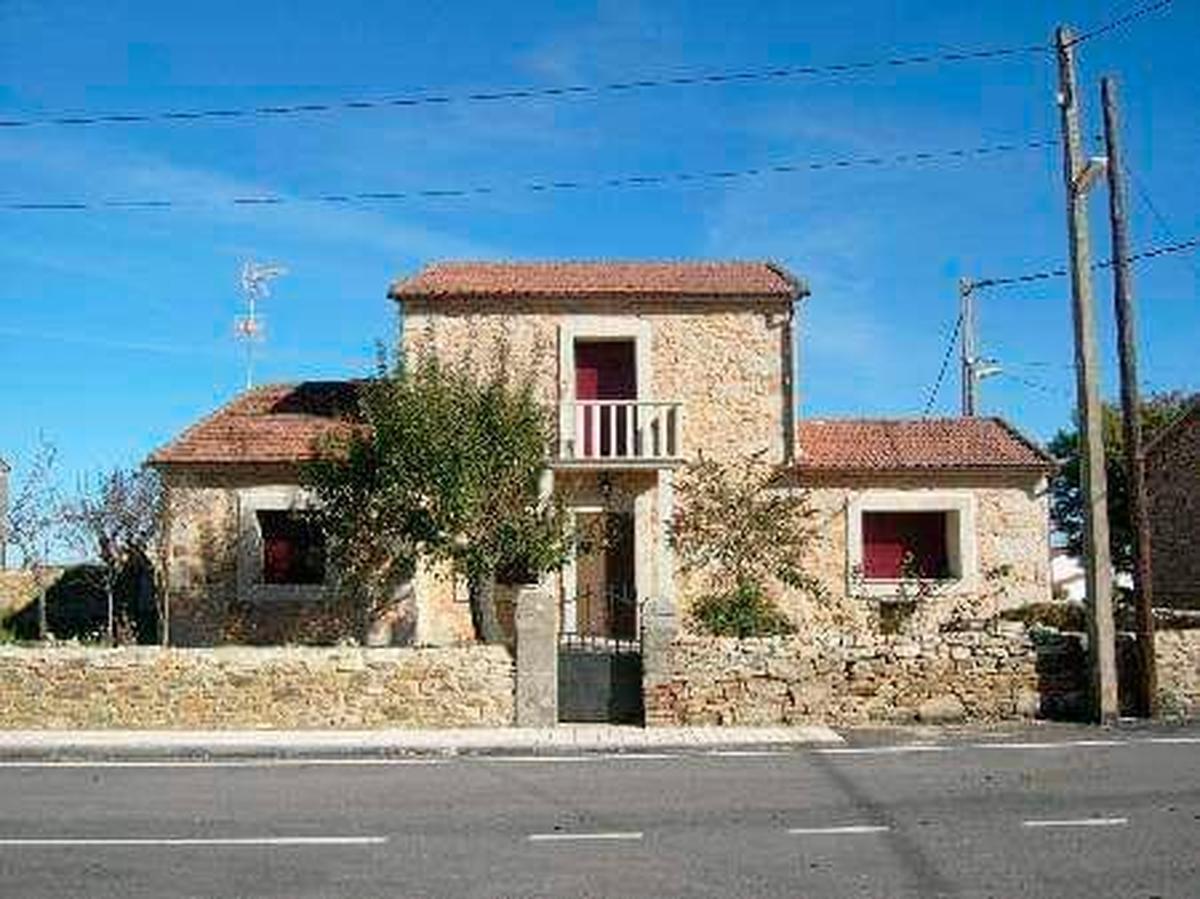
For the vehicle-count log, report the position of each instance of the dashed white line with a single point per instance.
(586, 757)
(1173, 741)
(885, 750)
(613, 835)
(194, 841)
(1065, 744)
(1077, 822)
(844, 829)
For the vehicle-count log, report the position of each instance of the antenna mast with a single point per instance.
(250, 328)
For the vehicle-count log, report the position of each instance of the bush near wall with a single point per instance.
(142, 687)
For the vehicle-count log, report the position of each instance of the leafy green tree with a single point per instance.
(736, 527)
(1066, 500)
(445, 464)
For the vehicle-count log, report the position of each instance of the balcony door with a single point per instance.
(605, 373)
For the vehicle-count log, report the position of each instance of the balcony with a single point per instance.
(620, 433)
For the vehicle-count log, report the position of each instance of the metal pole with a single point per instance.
(1131, 403)
(1079, 175)
(966, 309)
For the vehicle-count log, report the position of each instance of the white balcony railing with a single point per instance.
(618, 431)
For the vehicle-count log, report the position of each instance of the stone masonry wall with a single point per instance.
(1178, 655)
(69, 687)
(857, 680)
(1001, 674)
(1173, 487)
(724, 360)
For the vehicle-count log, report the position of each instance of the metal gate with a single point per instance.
(600, 680)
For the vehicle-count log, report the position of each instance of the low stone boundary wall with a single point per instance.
(1178, 655)
(858, 680)
(146, 687)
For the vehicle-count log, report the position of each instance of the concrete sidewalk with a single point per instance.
(20, 745)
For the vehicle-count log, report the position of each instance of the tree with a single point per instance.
(1066, 501)
(446, 464)
(114, 521)
(33, 521)
(734, 525)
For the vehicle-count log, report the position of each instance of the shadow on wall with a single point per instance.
(1064, 679)
(77, 609)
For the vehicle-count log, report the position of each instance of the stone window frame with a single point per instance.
(961, 540)
(251, 587)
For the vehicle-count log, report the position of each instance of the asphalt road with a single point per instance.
(1054, 820)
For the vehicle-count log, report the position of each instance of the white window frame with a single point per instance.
(961, 542)
(251, 587)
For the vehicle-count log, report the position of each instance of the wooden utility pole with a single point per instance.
(966, 311)
(1131, 402)
(1079, 175)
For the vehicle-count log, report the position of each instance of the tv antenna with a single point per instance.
(250, 328)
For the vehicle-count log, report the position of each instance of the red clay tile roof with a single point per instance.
(445, 280)
(274, 423)
(917, 444)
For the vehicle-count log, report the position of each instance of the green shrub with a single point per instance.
(745, 611)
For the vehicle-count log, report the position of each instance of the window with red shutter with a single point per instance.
(293, 547)
(905, 544)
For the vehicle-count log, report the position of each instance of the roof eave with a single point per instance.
(856, 470)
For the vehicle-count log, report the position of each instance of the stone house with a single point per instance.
(647, 365)
(1173, 490)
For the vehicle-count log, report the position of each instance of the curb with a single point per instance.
(74, 746)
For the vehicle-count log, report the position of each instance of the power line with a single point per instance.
(701, 79)
(548, 185)
(1144, 196)
(1181, 246)
(1037, 385)
(1121, 21)
(941, 377)
(698, 79)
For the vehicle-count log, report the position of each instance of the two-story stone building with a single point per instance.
(647, 365)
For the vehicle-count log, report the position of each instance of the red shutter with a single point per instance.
(278, 559)
(889, 536)
(604, 370)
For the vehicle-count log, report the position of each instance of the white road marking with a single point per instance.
(576, 837)
(844, 829)
(746, 753)
(194, 841)
(1173, 741)
(1064, 744)
(1077, 822)
(586, 757)
(224, 763)
(885, 750)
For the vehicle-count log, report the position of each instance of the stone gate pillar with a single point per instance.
(536, 625)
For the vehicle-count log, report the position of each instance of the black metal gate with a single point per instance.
(600, 679)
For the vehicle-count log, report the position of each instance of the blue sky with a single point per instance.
(117, 324)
